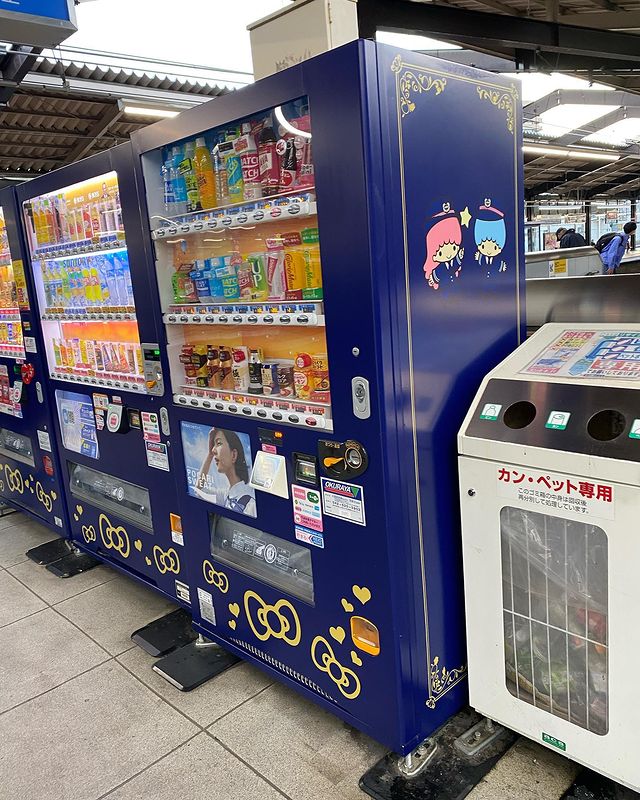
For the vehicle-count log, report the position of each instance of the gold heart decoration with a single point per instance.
(138, 545)
(338, 634)
(54, 496)
(76, 517)
(234, 608)
(79, 509)
(361, 593)
(148, 561)
(232, 624)
(356, 658)
(348, 607)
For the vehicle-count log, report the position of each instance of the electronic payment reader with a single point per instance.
(550, 491)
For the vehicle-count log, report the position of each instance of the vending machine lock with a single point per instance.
(152, 368)
(360, 398)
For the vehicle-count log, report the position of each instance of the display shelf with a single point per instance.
(258, 212)
(86, 247)
(9, 315)
(281, 314)
(12, 351)
(82, 314)
(290, 411)
(95, 380)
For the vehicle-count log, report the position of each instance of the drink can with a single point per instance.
(285, 379)
(270, 377)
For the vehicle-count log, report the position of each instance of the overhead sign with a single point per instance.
(41, 23)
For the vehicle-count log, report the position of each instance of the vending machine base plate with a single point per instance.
(194, 664)
(449, 775)
(589, 785)
(49, 552)
(165, 634)
(72, 564)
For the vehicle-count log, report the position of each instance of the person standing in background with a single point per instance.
(615, 248)
(569, 237)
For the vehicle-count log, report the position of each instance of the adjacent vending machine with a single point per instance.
(549, 485)
(106, 366)
(30, 478)
(338, 263)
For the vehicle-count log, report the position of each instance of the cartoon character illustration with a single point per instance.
(444, 245)
(490, 234)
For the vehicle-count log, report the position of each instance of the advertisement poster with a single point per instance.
(77, 423)
(590, 354)
(218, 465)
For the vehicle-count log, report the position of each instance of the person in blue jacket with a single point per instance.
(615, 249)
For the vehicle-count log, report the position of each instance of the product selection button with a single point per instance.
(491, 411)
(634, 433)
(558, 420)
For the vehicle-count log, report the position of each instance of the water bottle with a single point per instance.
(178, 183)
(168, 184)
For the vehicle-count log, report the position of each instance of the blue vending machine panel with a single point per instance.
(105, 365)
(30, 477)
(338, 263)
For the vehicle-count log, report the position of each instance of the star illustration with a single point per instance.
(465, 216)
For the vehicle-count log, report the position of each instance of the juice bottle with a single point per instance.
(226, 362)
(57, 357)
(65, 287)
(204, 174)
(294, 266)
(48, 217)
(187, 170)
(86, 222)
(177, 180)
(234, 177)
(220, 154)
(320, 390)
(87, 285)
(312, 271)
(94, 282)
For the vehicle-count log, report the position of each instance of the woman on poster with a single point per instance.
(226, 450)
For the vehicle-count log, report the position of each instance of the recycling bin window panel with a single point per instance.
(82, 275)
(233, 215)
(555, 584)
(13, 297)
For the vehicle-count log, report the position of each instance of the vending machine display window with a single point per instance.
(274, 561)
(13, 297)
(82, 274)
(16, 446)
(233, 214)
(110, 493)
(77, 423)
(555, 590)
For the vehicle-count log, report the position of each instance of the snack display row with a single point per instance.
(289, 269)
(241, 369)
(98, 357)
(257, 158)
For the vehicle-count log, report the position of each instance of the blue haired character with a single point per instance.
(490, 234)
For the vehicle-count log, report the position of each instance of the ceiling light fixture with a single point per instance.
(144, 111)
(566, 152)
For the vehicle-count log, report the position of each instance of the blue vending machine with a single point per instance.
(30, 478)
(339, 263)
(106, 365)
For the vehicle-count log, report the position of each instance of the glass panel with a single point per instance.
(561, 576)
(277, 562)
(81, 269)
(233, 213)
(77, 423)
(16, 446)
(109, 493)
(12, 296)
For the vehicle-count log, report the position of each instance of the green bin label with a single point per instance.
(554, 742)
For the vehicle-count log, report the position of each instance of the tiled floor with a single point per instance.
(83, 716)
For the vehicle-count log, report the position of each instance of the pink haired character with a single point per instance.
(444, 245)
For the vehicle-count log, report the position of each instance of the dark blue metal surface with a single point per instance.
(31, 489)
(380, 177)
(113, 539)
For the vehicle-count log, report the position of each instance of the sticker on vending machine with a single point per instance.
(157, 455)
(306, 507)
(44, 440)
(177, 536)
(100, 400)
(309, 537)
(343, 500)
(150, 426)
(207, 611)
(30, 344)
(183, 592)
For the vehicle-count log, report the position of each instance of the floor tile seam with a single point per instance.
(88, 635)
(57, 686)
(235, 708)
(253, 769)
(148, 766)
(26, 616)
(58, 602)
(201, 728)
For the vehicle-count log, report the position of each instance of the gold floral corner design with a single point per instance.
(410, 83)
(441, 680)
(505, 100)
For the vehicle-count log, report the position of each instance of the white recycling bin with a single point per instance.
(550, 498)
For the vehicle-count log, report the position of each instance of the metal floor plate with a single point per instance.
(165, 634)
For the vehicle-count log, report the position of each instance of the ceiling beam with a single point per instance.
(443, 22)
(14, 66)
(597, 125)
(97, 130)
(609, 20)
(591, 97)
